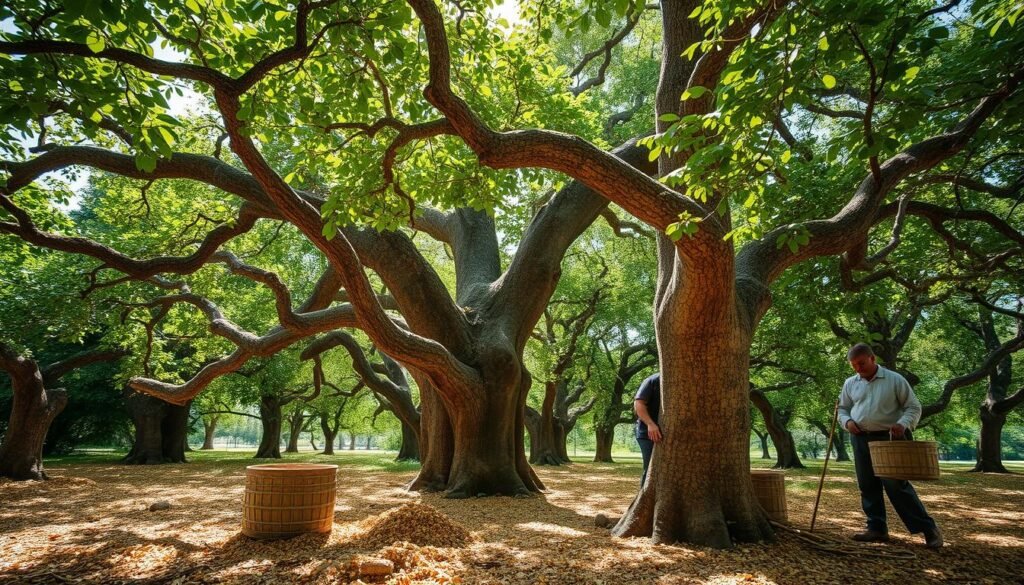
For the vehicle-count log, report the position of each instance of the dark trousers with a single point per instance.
(901, 494)
(646, 448)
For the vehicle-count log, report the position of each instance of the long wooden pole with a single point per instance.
(828, 454)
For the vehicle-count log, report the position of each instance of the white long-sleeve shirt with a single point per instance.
(879, 403)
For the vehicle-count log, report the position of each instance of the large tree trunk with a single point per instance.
(160, 428)
(410, 449)
(209, 430)
(352, 442)
(990, 445)
(605, 441)
(437, 442)
(486, 453)
(698, 486)
(32, 411)
(270, 417)
(782, 438)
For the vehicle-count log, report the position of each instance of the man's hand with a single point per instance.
(896, 431)
(653, 432)
(853, 428)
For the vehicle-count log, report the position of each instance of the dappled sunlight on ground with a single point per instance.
(92, 524)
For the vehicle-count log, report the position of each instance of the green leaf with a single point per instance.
(696, 11)
(330, 230)
(911, 73)
(193, 6)
(939, 32)
(96, 42)
(755, 121)
(674, 231)
(603, 17)
(145, 163)
(693, 92)
(669, 117)
(281, 15)
(829, 81)
(786, 156)
(823, 43)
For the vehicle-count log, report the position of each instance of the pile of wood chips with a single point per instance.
(414, 523)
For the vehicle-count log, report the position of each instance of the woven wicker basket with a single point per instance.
(905, 459)
(770, 489)
(287, 499)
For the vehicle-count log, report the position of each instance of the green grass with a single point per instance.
(369, 461)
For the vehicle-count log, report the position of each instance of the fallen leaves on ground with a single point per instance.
(91, 524)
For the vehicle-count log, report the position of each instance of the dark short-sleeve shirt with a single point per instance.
(650, 393)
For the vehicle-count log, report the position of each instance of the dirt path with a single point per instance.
(91, 524)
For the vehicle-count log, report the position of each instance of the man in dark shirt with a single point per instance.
(647, 403)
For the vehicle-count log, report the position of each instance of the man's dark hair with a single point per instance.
(859, 350)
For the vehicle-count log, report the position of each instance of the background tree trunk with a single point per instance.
(295, 422)
(410, 449)
(160, 430)
(990, 441)
(546, 431)
(329, 433)
(33, 407)
(776, 421)
(270, 417)
(763, 437)
(32, 411)
(209, 430)
(605, 441)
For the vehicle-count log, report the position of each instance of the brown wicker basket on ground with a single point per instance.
(288, 499)
(770, 489)
(905, 459)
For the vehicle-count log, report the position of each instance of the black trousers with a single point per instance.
(901, 494)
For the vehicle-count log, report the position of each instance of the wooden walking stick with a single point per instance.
(828, 453)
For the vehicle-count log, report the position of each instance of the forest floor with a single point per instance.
(92, 524)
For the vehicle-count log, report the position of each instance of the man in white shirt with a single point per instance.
(875, 403)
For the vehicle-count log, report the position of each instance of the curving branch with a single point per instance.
(762, 261)
(642, 196)
(632, 18)
(987, 366)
